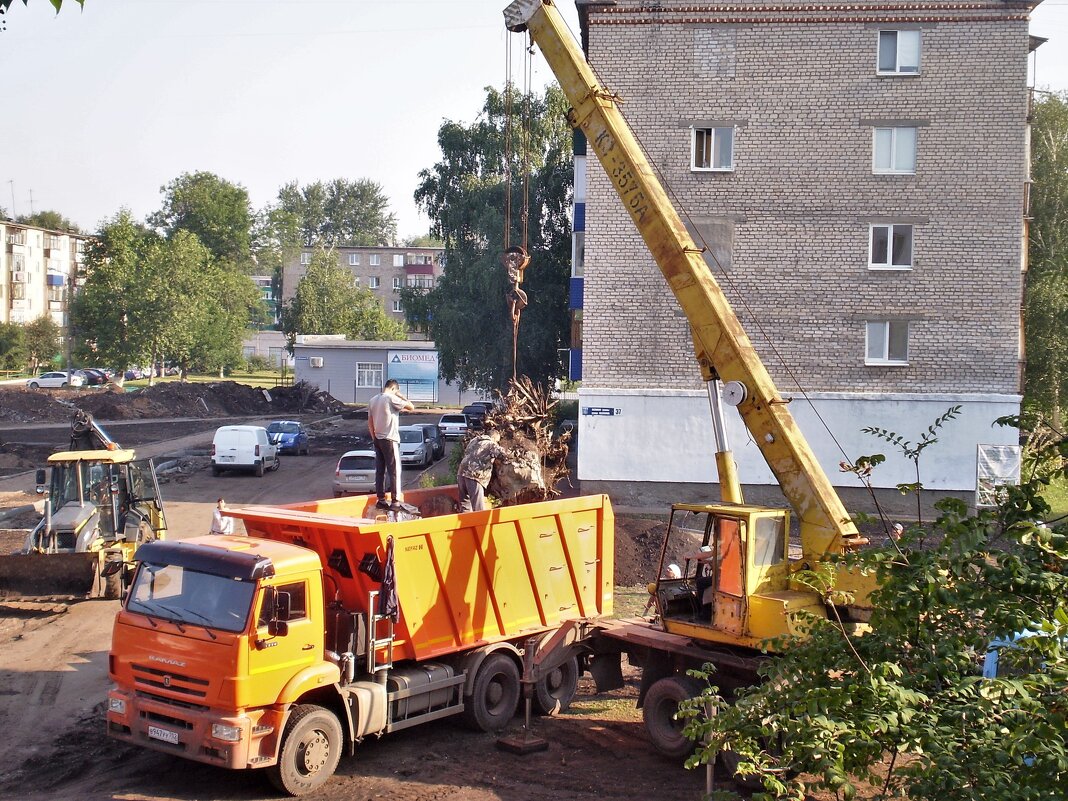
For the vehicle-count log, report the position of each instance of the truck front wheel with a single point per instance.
(661, 703)
(495, 695)
(555, 691)
(311, 748)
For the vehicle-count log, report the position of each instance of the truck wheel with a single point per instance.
(311, 748)
(215, 470)
(661, 703)
(113, 586)
(259, 469)
(555, 691)
(727, 762)
(493, 700)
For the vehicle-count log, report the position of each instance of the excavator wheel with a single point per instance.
(659, 711)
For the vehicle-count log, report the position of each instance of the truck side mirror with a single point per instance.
(278, 625)
(40, 478)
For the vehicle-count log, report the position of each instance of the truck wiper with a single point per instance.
(204, 617)
(176, 622)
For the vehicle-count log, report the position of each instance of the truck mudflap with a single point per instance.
(39, 576)
(248, 740)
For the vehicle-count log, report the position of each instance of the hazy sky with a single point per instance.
(102, 107)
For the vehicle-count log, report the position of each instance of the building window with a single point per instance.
(397, 306)
(421, 281)
(398, 259)
(891, 247)
(369, 374)
(899, 52)
(396, 283)
(713, 149)
(354, 259)
(887, 342)
(356, 281)
(305, 258)
(372, 282)
(894, 151)
(374, 260)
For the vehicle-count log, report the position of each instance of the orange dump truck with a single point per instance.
(278, 650)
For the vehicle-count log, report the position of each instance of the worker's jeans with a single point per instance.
(472, 495)
(387, 469)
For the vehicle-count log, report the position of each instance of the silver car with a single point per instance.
(453, 425)
(355, 473)
(415, 446)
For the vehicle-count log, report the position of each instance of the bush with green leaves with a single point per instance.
(904, 707)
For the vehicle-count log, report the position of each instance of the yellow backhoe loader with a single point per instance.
(101, 503)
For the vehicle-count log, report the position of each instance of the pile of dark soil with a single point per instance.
(169, 399)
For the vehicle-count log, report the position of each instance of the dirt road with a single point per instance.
(53, 679)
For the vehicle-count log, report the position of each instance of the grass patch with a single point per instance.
(629, 601)
(1056, 495)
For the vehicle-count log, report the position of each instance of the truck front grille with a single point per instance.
(146, 677)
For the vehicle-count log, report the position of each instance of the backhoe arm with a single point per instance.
(722, 346)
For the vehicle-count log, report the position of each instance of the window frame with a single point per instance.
(397, 307)
(354, 260)
(889, 264)
(397, 283)
(715, 135)
(373, 282)
(398, 259)
(374, 260)
(897, 70)
(893, 169)
(305, 258)
(374, 369)
(886, 360)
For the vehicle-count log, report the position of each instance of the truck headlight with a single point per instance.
(223, 731)
(117, 705)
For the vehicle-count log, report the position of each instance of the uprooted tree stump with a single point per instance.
(534, 459)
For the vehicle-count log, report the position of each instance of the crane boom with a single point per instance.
(722, 346)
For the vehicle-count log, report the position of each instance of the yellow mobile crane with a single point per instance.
(735, 589)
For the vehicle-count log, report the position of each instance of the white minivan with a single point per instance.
(243, 448)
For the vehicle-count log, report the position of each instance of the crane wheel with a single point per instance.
(554, 692)
(659, 711)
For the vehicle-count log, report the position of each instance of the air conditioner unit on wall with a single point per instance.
(315, 361)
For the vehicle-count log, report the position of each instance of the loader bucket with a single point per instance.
(53, 575)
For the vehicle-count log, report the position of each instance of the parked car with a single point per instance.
(415, 446)
(453, 425)
(57, 378)
(133, 374)
(437, 441)
(243, 448)
(355, 473)
(289, 435)
(92, 376)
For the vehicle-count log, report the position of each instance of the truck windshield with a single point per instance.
(174, 593)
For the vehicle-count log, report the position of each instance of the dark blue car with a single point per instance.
(289, 436)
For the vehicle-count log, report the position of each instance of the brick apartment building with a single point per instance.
(383, 270)
(37, 268)
(859, 173)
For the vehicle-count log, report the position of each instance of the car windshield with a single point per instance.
(283, 428)
(181, 595)
(356, 463)
(411, 436)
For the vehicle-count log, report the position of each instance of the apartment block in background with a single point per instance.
(37, 269)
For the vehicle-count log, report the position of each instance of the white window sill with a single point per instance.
(893, 172)
(890, 268)
(711, 169)
(884, 363)
(898, 74)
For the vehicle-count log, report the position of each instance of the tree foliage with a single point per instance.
(6, 4)
(1046, 307)
(12, 346)
(904, 707)
(216, 211)
(147, 299)
(327, 301)
(464, 195)
(41, 338)
(337, 213)
(51, 220)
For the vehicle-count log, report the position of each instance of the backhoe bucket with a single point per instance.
(53, 575)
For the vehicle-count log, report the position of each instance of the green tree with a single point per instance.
(230, 301)
(1046, 304)
(905, 706)
(464, 196)
(217, 211)
(42, 342)
(52, 220)
(6, 4)
(12, 346)
(337, 213)
(327, 301)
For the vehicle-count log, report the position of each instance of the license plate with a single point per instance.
(226, 458)
(166, 736)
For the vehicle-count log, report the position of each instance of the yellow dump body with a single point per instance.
(463, 580)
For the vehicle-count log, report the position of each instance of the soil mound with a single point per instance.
(169, 399)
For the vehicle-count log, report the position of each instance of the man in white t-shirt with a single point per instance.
(220, 523)
(383, 422)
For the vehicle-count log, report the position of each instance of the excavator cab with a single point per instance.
(734, 565)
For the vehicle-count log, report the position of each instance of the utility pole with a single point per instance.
(31, 202)
(11, 183)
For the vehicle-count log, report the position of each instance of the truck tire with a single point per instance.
(661, 703)
(215, 470)
(495, 695)
(259, 469)
(555, 691)
(311, 748)
(113, 586)
(727, 763)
